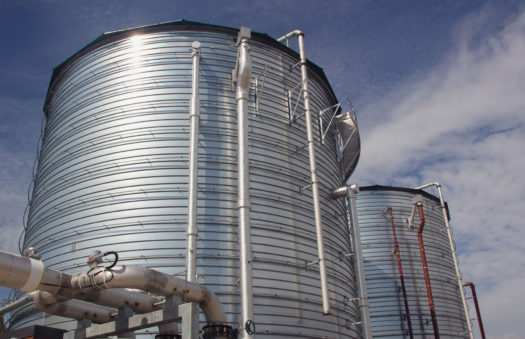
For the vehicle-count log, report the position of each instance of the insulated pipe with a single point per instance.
(120, 298)
(358, 253)
(242, 74)
(453, 250)
(12, 306)
(18, 271)
(192, 230)
(476, 305)
(425, 270)
(401, 276)
(313, 170)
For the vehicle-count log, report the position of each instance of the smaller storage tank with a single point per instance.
(388, 310)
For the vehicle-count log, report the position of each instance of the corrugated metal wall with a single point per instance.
(113, 173)
(387, 308)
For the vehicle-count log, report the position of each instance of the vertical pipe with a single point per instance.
(476, 305)
(313, 173)
(454, 256)
(243, 70)
(363, 294)
(192, 230)
(425, 270)
(313, 170)
(401, 276)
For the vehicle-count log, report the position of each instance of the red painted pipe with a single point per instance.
(425, 270)
(478, 313)
(401, 277)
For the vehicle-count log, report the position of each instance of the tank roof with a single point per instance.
(177, 25)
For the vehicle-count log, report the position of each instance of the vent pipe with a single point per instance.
(192, 230)
(425, 270)
(453, 250)
(241, 77)
(401, 276)
(476, 305)
(313, 170)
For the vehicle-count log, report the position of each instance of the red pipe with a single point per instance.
(478, 313)
(425, 270)
(401, 277)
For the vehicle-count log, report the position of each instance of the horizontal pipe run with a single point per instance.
(20, 271)
(76, 309)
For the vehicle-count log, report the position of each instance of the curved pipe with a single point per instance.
(401, 276)
(313, 169)
(452, 249)
(476, 305)
(425, 270)
(21, 271)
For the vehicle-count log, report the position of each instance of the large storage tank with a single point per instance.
(113, 174)
(387, 306)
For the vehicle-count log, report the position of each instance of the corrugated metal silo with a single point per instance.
(113, 171)
(388, 314)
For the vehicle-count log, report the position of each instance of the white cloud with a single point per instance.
(464, 125)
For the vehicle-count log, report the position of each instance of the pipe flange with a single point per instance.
(212, 331)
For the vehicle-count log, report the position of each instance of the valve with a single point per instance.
(96, 258)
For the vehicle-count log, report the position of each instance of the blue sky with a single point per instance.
(438, 87)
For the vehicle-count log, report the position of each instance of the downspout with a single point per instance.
(453, 250)
(401, 276)
(313, 170)
(350, 193)
(425, 270)
(241, 76)
(476, 305)
(192, 230)
(29, 275)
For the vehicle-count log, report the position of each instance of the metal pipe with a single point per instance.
(242, 75)
(476, 305)
(453, 250)
(364, 306)
(76, 309)
(192, 230)
(313, 170)
(425, 270)
(12, 306)
(19, 271)
(401, 276)
(358, 252)
(120, 298)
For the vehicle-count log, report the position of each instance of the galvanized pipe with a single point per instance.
(476, 306)
(313, 170)
(21, 271)
(192, 229)
(243, 73)
(425, 270)
(401, 276)
(453, 250)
